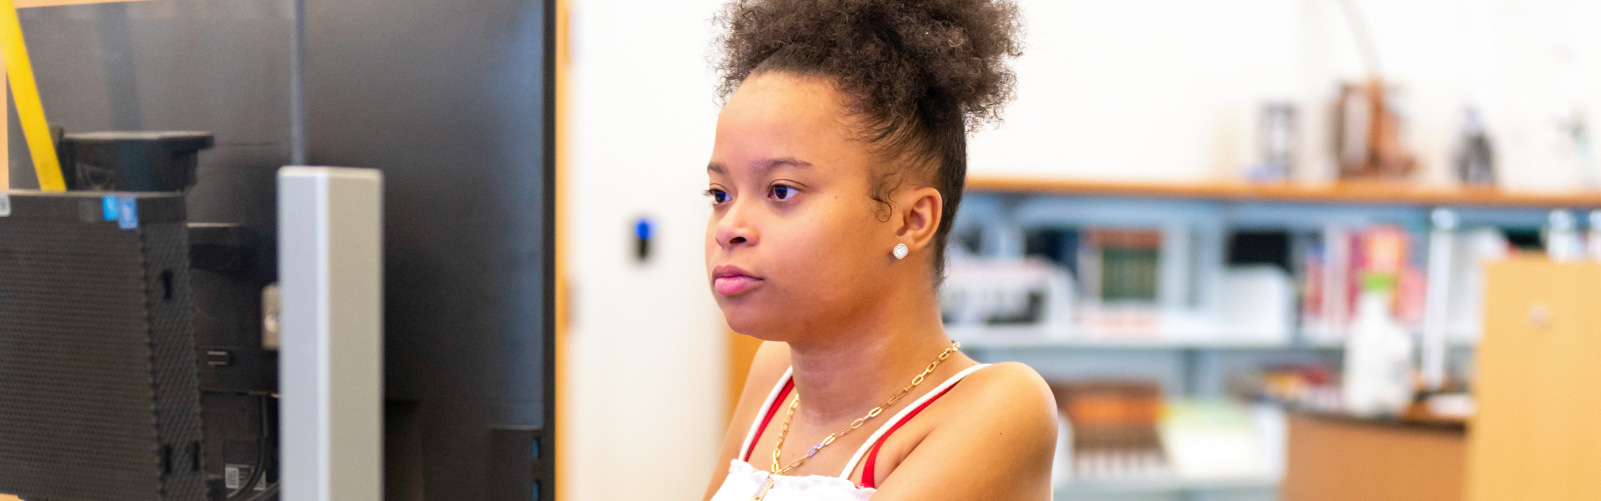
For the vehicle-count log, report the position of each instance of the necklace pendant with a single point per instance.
(761, 492)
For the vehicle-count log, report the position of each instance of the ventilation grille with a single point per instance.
(98, 390)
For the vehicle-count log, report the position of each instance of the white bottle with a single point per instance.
(1562, 241)
(1593, 237)
(1378, 360)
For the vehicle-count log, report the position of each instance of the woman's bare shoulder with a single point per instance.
(1010, 389)
(1001, 422)
(1007, 398)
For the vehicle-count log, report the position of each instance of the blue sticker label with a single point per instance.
(108, 207)
(128, 213)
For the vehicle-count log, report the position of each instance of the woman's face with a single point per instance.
(794, 241)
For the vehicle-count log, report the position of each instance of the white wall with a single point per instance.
(647, 345)
(1168, 90)
(1156, 90)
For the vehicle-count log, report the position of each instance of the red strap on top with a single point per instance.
(772, 410)
(872, 457)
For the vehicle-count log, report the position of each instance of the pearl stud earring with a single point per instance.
(900, 251)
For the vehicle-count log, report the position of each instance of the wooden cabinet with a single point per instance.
(1336, 458)
(1537, 433)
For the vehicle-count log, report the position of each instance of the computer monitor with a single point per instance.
(455, 103)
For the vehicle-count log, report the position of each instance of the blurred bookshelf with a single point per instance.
(1349, 192)
(1165, 488)
(997, 338)
(1236, 289)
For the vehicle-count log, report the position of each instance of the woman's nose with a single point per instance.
(735, 229)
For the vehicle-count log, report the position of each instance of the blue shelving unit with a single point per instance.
(1196, 224)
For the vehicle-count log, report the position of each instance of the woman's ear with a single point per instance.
(921, 210)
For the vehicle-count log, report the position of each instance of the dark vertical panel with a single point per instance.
(452, 101)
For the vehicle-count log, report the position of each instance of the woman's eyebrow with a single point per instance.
(784, 162)
(770, 164)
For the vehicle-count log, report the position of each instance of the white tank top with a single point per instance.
(745, 480)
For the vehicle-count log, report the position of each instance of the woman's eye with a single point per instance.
(718, 196)
(781, 192)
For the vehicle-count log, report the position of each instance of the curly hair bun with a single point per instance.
(896, 58)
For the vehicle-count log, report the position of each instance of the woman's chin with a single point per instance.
(744, 320)
(741, 322)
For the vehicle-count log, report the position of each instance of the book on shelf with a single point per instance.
(1113, 428)
(1121, 278)
(1117, 283)
(1125, 431)
(1111, 264)
(1121, 265)
(1340, 259)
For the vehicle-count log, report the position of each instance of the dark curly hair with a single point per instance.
(920, 73)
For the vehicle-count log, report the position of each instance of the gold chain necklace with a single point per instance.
(790, 415)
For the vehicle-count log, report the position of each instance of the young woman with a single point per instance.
(839, 161)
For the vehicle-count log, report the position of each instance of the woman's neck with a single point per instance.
(865, 361)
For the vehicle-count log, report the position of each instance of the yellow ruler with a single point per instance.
(25, 92)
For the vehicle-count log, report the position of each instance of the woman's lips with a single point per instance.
(733, 284)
